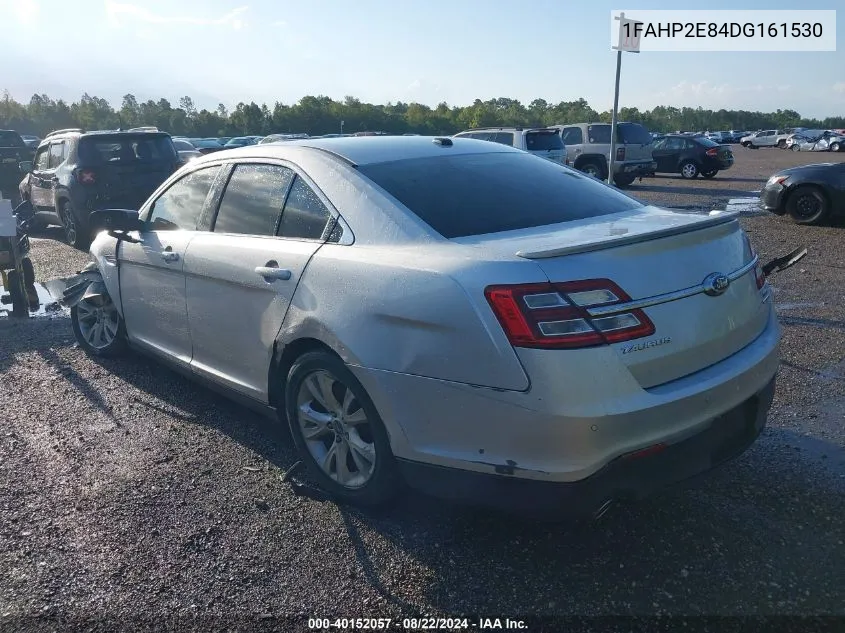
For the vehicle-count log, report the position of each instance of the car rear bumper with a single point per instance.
(567, 429)
(626, 478)
(643, 168)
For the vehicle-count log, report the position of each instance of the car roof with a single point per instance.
(367, 150)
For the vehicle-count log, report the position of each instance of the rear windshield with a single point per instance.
(633, 133)
(543, 141)
(126, 149)
(183, 145)
(11, 139)
(476, 194)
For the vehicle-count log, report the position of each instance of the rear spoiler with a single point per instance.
(715, 218)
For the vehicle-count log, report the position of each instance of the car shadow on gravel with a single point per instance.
(757, 536)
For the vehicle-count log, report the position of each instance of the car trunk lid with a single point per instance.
(663, 261)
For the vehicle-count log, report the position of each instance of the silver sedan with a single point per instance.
(478, 322)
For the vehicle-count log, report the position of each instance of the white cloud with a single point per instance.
(279, 23)
(415, 85)
(25, 11)
(839, 87)
(119, 14)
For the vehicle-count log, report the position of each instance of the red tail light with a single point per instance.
(86, 177)
(555, 316)
(713, 151)
(620, 153)
(759, 277)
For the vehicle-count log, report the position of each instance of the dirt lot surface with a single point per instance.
(130, 494)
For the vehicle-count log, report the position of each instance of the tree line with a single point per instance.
(323, 115)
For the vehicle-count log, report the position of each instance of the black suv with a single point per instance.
(13, 151)
(76, 172)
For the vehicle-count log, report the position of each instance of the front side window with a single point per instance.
(253, 200)
(179, 207)
(57, 154)
(305, 216)
(42, 158)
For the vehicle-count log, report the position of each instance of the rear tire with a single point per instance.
(76, 231)
(710, 174)
(808, 205)
(592, 169)
(348, 449)
(689, 170)
(795, 147)
(782, 144)
(835, 147)
(17, 292)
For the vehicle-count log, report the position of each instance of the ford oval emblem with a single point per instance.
(715, 284)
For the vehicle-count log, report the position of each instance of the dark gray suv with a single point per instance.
(588, 145)
(74, 173)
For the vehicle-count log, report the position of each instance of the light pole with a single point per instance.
(628, 40)
(341, 127)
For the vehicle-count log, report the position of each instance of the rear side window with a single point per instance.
(598, 134)
(305, 216)
(252, 202)
(633, 133)
(126, 149)
(57, 154)
(505, 138)
(11, 139)
(543, 141)
(572, 135)
(180, 206)
(476, 194)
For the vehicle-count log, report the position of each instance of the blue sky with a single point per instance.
(379, 51)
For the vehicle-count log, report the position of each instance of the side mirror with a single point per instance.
(123, 220)
(25, 166)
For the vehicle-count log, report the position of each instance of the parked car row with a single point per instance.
(587, 147)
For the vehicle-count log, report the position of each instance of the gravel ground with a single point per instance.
(132, 494)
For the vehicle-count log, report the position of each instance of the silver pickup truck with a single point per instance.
(765, 138)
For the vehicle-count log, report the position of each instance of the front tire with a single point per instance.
(807, 205)
(835, 147)
(98, 327)
(689, 170)
(624, 180)
(782, 144)
(795, 147)
(710, 174)
(338, 431)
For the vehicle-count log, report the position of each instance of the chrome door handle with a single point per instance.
(272, 273)
(169, 256)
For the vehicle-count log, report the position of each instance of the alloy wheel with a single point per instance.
(336, 430)
(98, 323)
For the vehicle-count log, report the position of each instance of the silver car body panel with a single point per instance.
(405, 308)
